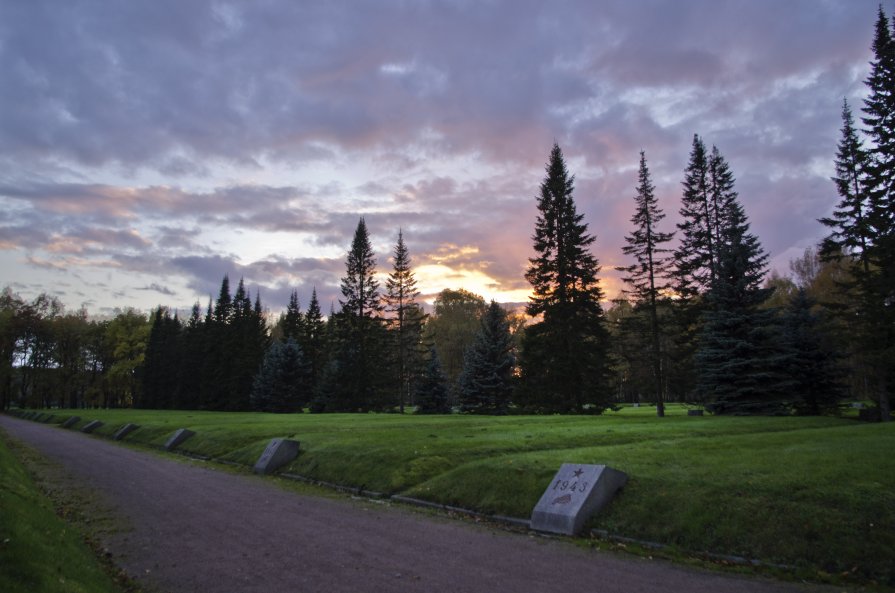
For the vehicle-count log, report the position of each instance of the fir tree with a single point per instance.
(359, 285)
(216, 371)
(737, 364)
(564, 356)
(400, 296)
(159, 376)
(359, 338)
(223, 308)
(281, 384)
(879, 115)
(485, 384)
(292, 321)
(648, 276)
(313, 340)
(431, 393)
(814, 369)
(850, 222)
(695, 256)
(878, 286)
(193, 352)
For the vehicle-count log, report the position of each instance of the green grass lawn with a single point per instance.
(39, 552)
(815, 493)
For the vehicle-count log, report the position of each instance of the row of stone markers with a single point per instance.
(278, 452)
(576, 492)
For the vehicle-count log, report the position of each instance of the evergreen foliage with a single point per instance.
(695, 256)
(862, 225)
(406, 323)
(431, 392)
(485, 385)
(282, 384)
(814, 370)
(358, 345)
(564, 362)
(738, 364)
(292, 322)
(850, 222)
(160, 385)
(313, 338)
(648, 276)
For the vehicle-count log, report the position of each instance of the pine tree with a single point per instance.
(850, 222)
(400, 296)
(159, 381)
(223, 308)
(485, 384)
(359, 285)
(292, 321)
(281, 384)
(696, 254)
(246, 342)
(816, 385)
(564, 356)
(737, 356)
(216, 375)
(360, 334)
(879, 117)
(313, 340)
(431, 393)
(648, 276)
(192, 354)
(878, 286)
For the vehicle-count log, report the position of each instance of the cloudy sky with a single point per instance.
(149, 147)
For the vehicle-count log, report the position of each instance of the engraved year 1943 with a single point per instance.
(570, 485)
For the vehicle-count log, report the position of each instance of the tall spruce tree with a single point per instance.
(564, 356)
(359, 338)
(862, 226)
(648, 276)
(737, 358)
(878, 287)
(850, 230)
(696, 253)
(313, 341)
(400, 297)
(879, 119)
(485, 385)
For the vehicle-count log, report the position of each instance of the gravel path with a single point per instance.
(194, 529)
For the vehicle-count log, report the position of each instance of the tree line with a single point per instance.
(700, 320)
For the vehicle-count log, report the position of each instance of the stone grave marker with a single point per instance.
(576, 492)
(279, 452)
(177, 438)
(91, 426)
(124, 431)
(72, 420)
(39, 417)
(48, 418)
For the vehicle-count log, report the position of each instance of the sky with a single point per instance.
(149, 147)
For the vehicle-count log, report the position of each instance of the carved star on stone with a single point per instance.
(578, 472)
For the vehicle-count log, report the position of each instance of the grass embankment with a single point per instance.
(39, 552)
(816, 493)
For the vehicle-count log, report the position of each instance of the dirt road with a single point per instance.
(194, 529)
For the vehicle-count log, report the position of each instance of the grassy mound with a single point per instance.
(816, 493)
